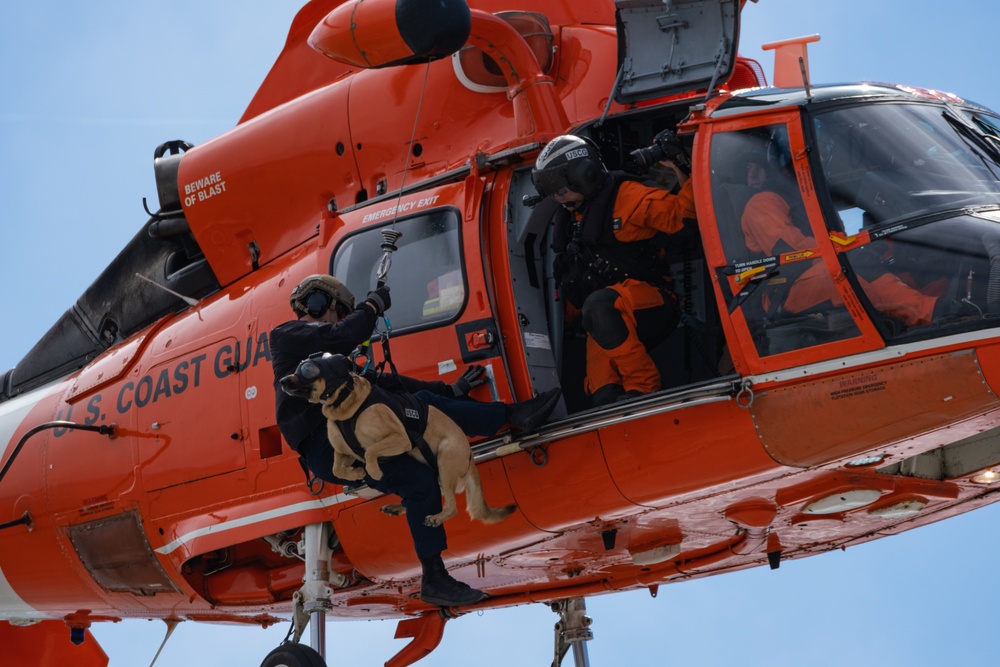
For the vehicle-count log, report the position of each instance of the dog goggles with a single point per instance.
(309, 370)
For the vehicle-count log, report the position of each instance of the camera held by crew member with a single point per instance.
(608, 264)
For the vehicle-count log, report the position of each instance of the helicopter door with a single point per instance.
(777, 267)
(527, 264)
(441, 317)
(672, 47)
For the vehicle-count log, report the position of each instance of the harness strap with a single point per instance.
(415, 422)
(387, 357)
(349, 387)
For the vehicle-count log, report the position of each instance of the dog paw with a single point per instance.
(375, 473)
(433, 521)
(393, 510)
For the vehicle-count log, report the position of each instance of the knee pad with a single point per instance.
(603, 321)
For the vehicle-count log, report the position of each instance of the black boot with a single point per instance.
(529, 415)
(606, 395)
(440, 588)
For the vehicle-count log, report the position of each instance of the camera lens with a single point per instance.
(648, 156)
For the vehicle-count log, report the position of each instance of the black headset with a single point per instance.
(316, 303)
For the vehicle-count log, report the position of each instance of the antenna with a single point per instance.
(805, 77)
(614, 91)
(186, 299)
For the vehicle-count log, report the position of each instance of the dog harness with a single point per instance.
(411, 412)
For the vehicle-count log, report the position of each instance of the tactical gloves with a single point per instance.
(379, 299)
(470, 379)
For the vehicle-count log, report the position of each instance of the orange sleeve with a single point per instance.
(644, 211)
(767, 220)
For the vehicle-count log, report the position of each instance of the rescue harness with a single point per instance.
(592, 258)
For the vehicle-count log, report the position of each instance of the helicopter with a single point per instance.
(190, 362)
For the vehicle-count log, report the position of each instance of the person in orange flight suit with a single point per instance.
(608, 265)
(769, 228)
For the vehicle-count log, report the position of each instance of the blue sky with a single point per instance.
(89, 89)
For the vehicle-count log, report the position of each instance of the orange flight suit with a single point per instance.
(639, 213)
(767, 223)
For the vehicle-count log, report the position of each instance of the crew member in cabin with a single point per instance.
(327, 321)
(772, 226)
(609, 266)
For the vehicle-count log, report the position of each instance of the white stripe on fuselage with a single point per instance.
(12, 413)
(259, 517)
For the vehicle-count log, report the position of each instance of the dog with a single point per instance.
(330, 380)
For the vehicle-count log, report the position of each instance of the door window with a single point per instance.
(774, 270)
(426, 275)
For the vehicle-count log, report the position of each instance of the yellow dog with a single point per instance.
(351, 400)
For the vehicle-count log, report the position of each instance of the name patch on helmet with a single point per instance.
(576, 152)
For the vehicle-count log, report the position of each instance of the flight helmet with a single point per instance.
(570, 162)
(318, 293)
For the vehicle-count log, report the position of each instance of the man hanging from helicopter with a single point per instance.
(608, 264)
(327, 321)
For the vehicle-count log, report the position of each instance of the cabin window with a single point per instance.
(426, 276)
(774, 272)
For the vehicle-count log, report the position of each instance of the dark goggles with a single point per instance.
(330, 366)
(309, 370)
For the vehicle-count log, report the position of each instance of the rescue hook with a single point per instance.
(389, 238)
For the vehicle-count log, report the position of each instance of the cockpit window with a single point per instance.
(426, 276)
(925, 278)
(989, 125)
(886, 162)
(922, 181)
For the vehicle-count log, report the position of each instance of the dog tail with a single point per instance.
(475, 503)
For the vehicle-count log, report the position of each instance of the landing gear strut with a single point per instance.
(311, 602)
(572, 630)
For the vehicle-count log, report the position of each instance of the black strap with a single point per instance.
(415, 422)
(314, 483)
(387, 358)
